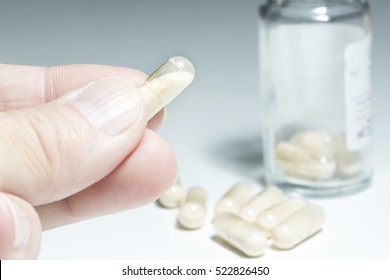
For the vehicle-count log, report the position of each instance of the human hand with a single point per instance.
(71, 150)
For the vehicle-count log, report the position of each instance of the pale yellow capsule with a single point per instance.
(298, 227)
(270, 218)
(242, 235)
(235, 198)
(192, 213)
(167, 82)
(174, 196)
(266, 199)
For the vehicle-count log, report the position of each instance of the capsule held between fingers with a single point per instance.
(192, 213)
(167, 82)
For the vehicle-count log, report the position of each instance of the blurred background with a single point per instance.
(214, 126)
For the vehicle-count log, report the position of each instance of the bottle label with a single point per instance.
(358, 94)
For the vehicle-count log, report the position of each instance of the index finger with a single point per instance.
(25, 86)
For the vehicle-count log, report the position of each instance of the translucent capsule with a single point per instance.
(270, 218)
(266, 199)
(168, 81)
(192, 213)
(235, 198)
(174, 196)
(296, 161)
(298, 227)
(242, 235)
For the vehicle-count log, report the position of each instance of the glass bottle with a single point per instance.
(316, 98)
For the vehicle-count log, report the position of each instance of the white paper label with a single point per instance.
(358, 94)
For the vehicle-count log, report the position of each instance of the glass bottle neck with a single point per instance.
(280, 2)
(315, 10)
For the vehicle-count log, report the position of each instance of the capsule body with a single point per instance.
(167, 82)
(266, 199)
(235, 198)
(173, 197)
(192, 213)
(244, 236)
(270, 218)
(299, 226)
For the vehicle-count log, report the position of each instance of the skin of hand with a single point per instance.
(75, 144)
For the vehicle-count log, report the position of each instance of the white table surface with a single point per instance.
(213, 127)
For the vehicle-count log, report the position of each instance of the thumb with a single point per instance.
(54, 150)
(20, 229)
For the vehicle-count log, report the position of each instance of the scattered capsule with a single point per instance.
(298, 227)
(242, 235)
(192, 213)
(235, 198)
(266, 199)
(270, 218)
(173, 197)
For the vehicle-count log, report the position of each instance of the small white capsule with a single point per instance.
(235, 198)
(270, 218)
(297, 162)
(192, 213)
(264, 200)
(298, 227)
(242, 235)
(319, 144)
(173, 197)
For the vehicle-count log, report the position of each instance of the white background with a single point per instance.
(214, 127)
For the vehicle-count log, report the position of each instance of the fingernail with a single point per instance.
(21, 222)
(110, 105)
